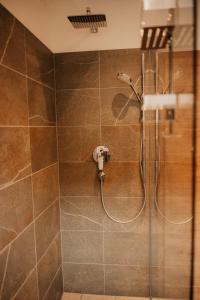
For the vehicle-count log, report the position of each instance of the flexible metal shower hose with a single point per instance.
(157, 173)
(144, 191)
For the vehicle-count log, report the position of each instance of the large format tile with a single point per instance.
(175, 179)
(14, 56)
(126, 281)
(126, 209)
(48, 266)
(15, 155)
(123, 248)
(46, 228)
(119, 107)
(77, 143)
(41, 105)
(29, 290)
(43, 147)
(163, 277)
(82, 246)
(16, 210)
(39, 60)
(79, 179)
(81, 213)
(6, 25)
(45, 188)
(83, 65)
(55, 291)
(16, 272)
(175, 147)
(13, 94)
(122, 179)
(83, 278)
(182, 71)
(177, 250)
(113, 61)
(176, 209)
(123, 142)
(78, 107)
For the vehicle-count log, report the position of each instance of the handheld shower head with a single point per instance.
(128, 80)
(124, 78)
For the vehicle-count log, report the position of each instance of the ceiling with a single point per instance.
(47, 19)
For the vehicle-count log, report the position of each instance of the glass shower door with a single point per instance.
(171, 144)
(169, 130)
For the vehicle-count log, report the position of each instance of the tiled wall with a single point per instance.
(101, 256)
(30, 259)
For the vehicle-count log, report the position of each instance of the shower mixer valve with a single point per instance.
(101, 155)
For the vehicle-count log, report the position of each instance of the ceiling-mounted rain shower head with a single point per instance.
(88, 21)
(156, 37)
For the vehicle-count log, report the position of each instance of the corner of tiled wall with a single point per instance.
(30, 258)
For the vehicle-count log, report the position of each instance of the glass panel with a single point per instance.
(169, 139)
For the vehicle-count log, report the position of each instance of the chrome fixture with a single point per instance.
(101, 156)
(128, 80)
(92, 21)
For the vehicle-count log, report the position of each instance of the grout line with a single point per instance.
(31, 177)
(27, 126)
(43, 169)
(52, 281)
(61, 243)
(95, 88)
(178, 162)
(90, 161)
(27, 176)
(29, 225)
(96, 125)
(8, 39)
(46, 250)
(35, 268)
(36, 256)
(123, 197)
(100, 129)
(24, 282)
(101, 231)
(5, 271)
(107, 264)
(26, 76)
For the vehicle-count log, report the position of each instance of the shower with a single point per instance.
(101, 156)
(128, 80)
(97, 142)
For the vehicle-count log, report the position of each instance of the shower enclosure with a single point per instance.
(164, 97)
(97, 150)
(168, 87)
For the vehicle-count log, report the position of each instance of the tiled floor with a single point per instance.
(75, 296)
